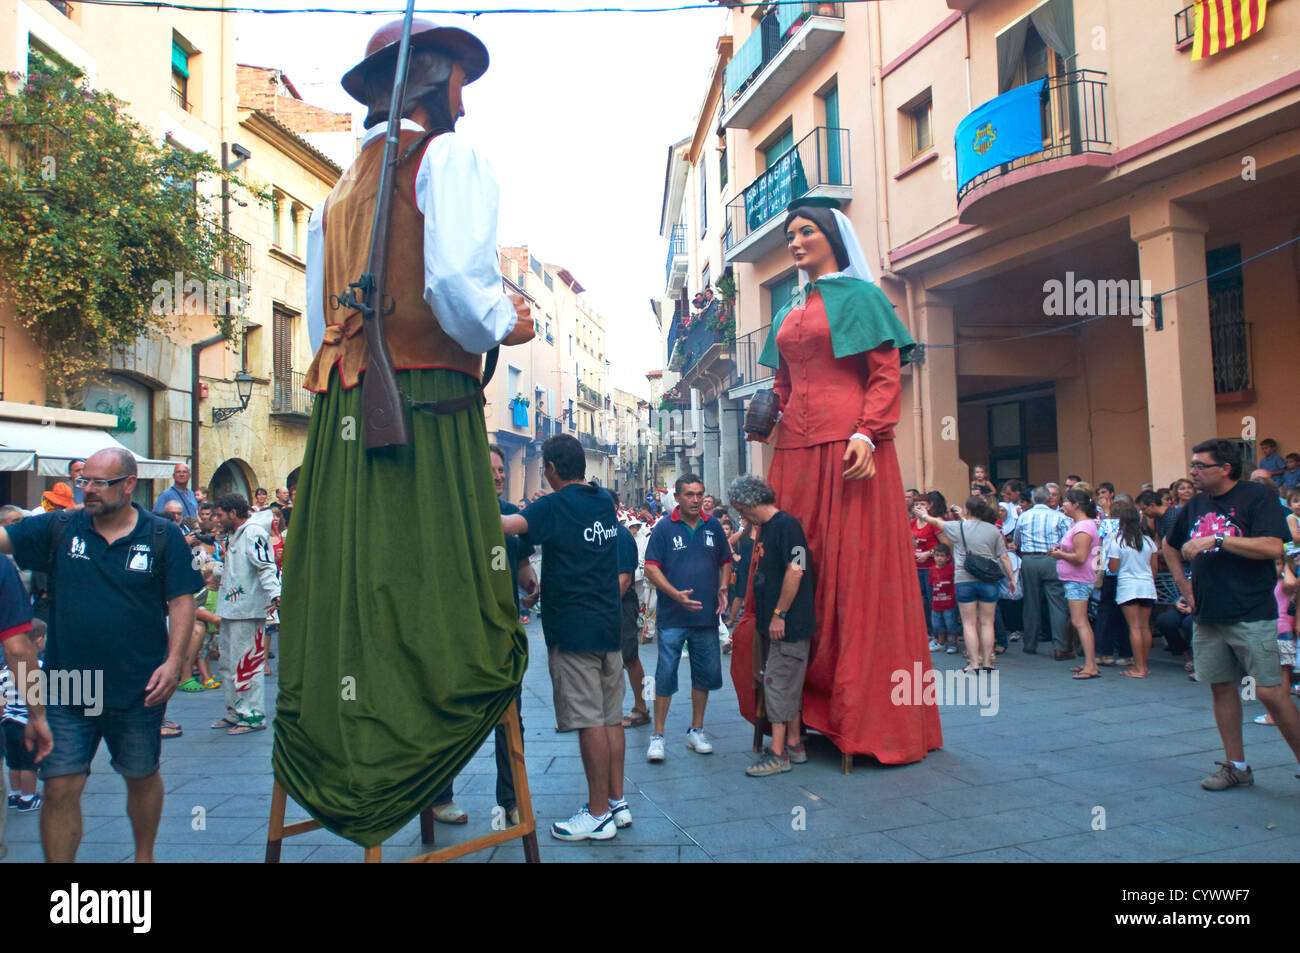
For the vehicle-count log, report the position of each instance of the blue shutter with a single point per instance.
(180, 60)
(833, 170)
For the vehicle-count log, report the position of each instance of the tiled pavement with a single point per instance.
(1027, 784)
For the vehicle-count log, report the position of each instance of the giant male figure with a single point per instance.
(400, 643)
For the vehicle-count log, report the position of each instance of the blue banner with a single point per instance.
(521, 415)
(1002, 129)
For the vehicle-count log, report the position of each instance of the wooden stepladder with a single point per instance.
(525, 830)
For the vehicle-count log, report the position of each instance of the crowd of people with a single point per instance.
(1102, 575)
(1099, 574)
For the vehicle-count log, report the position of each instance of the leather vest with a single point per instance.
(415, 338)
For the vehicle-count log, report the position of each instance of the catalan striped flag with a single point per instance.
(1224, 23)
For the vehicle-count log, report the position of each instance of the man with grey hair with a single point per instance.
(1053, 496)
(785, 618)
(118, 627)
(10, 514)
(1038, 530)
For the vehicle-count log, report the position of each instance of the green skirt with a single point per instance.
(400, 644)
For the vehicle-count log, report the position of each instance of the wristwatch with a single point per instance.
(1218, 543)
(779, 614)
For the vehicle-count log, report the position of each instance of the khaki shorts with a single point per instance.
(588, 688)
(784, 665)
(1226, 653)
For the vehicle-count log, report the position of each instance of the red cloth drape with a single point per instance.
(870, 621)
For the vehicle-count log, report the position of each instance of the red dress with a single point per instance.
(869, 614)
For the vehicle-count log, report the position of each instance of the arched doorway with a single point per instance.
(233, 476)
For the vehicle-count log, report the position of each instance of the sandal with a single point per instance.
(971, 670)
(1132, 673)
(1106, 660)
(190, 684)
(170, 729)
(449, 813)
(211, 684)
(224, 723)
(1084, 676)
(244, 727)
(635, 719)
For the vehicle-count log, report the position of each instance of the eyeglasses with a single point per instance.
(82, 483)
(1197, 465)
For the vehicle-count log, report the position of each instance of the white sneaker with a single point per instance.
(696, 741)
(622, 813)
(936, 645)
(583, 826)
(656, 750)
(951, 650)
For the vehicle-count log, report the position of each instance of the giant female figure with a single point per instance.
(838, 351)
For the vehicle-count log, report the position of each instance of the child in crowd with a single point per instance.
(20, 761)
(1291, 475)
(1008, 621)
(205, 617)
(1131, 555)
(980, 481)
(943, 602)
(1285, 593)
(1272, 460)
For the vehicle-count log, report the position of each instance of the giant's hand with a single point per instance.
(861, 462)
(523, 331)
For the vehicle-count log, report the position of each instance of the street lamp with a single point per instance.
(243, 387)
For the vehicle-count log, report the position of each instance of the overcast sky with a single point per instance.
(576, 113)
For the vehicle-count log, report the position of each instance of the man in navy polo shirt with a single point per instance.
(687, 560)
(577, 528)
(124, 589)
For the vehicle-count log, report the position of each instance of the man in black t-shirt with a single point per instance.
(577, 528)
(784, 614)
(1232, 532)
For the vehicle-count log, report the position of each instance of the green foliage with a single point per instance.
(93, 214)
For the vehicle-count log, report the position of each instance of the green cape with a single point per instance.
(860, 316)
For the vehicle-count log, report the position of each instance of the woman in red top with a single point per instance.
(924, 538)
(838, 358)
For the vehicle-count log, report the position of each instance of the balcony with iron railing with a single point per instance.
(288, 399)
(178, 99)
(746, 372)
(701, 341)
(589, 397)
(1076, 152)
(790, 38)
(233, 254)
(817, 165)
(676, 265)
(62, 6)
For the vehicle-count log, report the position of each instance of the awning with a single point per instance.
(48, 449)
(17, 460)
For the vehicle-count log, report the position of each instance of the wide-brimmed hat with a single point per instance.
(59, 495)
(381, 52)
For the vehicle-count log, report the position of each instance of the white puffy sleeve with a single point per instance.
(456, 191)
(316, 277)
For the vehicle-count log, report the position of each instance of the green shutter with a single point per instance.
(779, 148)
(780, 293)
(180, 60)
(833, 137)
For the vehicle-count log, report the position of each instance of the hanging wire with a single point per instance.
(1154, 298)
(200, 8)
